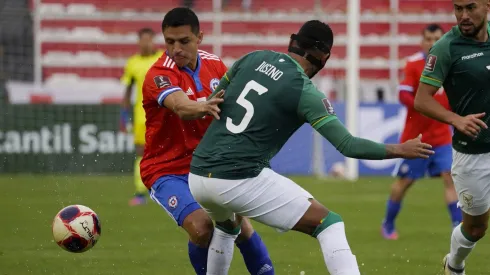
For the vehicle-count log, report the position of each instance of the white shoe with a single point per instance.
(449, 270)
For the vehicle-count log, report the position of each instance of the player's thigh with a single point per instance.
(269, 198)
(441, 161)
(173, 195)
(411, 168)
(206, 198)
(471, 176)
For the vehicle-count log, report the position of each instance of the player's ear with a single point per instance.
(200, 36)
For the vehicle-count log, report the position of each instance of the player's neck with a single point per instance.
(482, 36)
(145, 53)
(301, 61)
(192, 65)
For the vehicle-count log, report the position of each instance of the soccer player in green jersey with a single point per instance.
(460, 62)
(268, 96)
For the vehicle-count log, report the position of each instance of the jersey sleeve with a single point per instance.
(410, 79)
(437, 64)
(128, 78)
(161, 83)
(314, 106)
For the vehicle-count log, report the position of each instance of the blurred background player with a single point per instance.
(175, 93)
(134, 75)
(433, 132)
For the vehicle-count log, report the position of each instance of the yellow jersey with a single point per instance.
(134, 74)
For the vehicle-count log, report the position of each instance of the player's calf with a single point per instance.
(253, 250)
(222, 246)
(200, 228)
(328, 228)
(464, 238)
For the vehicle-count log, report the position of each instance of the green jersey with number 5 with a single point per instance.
(462, 66)
(267, 98)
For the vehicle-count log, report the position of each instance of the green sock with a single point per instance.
(330, 219)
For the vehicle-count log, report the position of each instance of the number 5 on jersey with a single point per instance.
(242, 101)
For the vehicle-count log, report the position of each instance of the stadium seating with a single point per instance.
(93, 38)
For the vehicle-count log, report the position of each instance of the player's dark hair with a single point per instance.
(315, 30)
(433, 28)
(181, 17)
(143, 31)
(313, 35)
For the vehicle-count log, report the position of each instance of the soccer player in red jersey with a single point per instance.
(175, 99)
(433, 132)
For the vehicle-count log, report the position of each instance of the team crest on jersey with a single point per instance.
(430, 63)
(328, 106)
(213, 84)
(173, 202)
(162, 81)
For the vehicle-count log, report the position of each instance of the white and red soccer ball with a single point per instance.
(76, 228)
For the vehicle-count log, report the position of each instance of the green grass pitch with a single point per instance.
(144, 240)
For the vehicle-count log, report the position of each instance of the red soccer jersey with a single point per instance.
(433, 132)
(170, 141)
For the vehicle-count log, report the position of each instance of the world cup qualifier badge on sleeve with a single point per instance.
(328, 106)
(430, 64)
(162, 81)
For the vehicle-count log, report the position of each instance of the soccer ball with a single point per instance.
(76, 228)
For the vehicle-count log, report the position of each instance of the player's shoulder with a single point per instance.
(416, 57)
(132, 60)
(444, 43)
(164, 67)
(204, 55)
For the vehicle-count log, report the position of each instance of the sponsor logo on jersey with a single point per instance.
(430, 64)
(328, 106)
(173, 202)
(162, 81)
(471, 56)
(213, 84)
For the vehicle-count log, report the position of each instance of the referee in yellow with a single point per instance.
(134, 74)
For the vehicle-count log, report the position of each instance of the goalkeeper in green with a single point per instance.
(269, 95)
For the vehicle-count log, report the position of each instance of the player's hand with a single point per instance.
(124, 122)
(470, 125)
(415, 148)
(210, 107)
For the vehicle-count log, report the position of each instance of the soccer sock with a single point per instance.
(455, 212)
(199, 258)
(392, 209)
(461, 246)
(335, 248)
(256, 256)
(140, 187)
(221, 250)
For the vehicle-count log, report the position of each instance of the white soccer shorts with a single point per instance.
(471, 176)
(269, 198)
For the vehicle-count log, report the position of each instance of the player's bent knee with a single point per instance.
(246, 231)
(330, 219)
(312, 218)
(476, 232)
(200, 227)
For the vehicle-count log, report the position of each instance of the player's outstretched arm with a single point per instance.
(359, 148)
(188, 109)
(425, 103)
